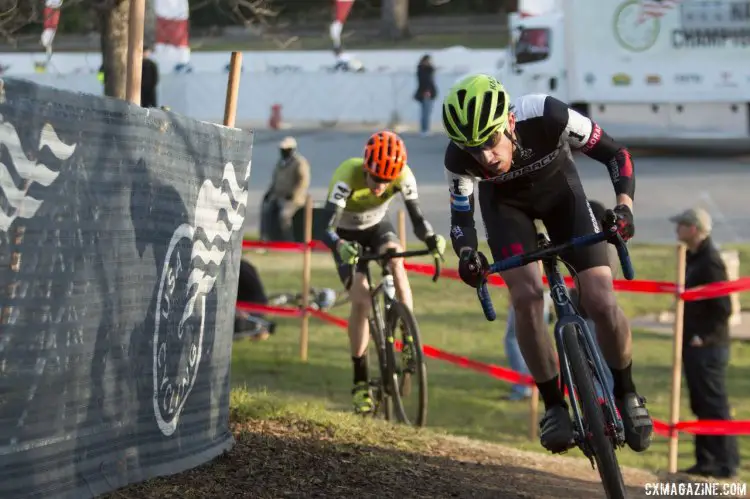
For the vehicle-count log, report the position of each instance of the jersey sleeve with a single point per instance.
(461, 189)
(582, 134)
(408, 185)
(338, 193)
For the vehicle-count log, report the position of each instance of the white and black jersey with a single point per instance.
(542, 183)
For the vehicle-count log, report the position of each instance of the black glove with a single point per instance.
(471, 267)
(625, 225)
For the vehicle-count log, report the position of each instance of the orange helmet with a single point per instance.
(385, 155)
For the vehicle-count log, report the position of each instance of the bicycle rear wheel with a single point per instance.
(593, 415)
(410, 371)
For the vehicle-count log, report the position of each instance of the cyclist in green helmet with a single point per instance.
(521, 152)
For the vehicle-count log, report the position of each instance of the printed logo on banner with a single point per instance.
(726, 79)
(637, 25)
(714, 25)
(653, 80)
(191, 266)
(620, 79)
(20, 203)
(688, 78)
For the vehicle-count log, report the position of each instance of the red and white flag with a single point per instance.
(656, 8)
(172, 27)
(51, 18)
(341, 9)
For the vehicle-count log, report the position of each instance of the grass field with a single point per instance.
(463, 402)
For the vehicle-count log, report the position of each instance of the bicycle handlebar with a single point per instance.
(611, 235)
(391, 254)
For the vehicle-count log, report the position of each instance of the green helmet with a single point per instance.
(474, 109)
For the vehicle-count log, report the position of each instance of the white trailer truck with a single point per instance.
(646, 70)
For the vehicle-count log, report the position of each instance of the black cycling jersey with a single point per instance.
(542, 182)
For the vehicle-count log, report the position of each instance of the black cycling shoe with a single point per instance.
(636, 420)
(556, 429)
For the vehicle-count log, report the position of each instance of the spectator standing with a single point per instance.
(705, 347)
(149, 80)
(287, 192)
(426, 92)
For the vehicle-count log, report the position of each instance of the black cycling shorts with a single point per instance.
(558, 201)
(371, 239)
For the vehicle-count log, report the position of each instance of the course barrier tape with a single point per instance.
(703, 427)
(704, 292)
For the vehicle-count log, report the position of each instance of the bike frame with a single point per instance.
(376, 320)
(568, 315)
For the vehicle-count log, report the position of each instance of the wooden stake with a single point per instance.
(306, 264)
(233, 85)
(674, 414)
(136, 23)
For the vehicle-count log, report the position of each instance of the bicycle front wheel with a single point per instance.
(594, 427)
(409, 369)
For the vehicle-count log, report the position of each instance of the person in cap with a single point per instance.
(705, 345)
(286, 194)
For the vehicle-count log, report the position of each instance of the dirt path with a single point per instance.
(272, 459)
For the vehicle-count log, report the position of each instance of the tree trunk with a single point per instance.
(394, 17)
(149, 30)
(113, 27)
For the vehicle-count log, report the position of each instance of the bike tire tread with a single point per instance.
(604, 452)
(396, 311)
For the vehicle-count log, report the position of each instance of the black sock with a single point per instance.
(360, 369)
(551, 393)
(622, 380)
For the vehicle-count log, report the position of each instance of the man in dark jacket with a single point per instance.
(149, 80)
(705, 349)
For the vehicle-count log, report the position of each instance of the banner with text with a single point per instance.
(119, 258)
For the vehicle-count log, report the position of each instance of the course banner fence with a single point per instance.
(120, 241)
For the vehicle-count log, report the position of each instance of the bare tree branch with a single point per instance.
(18, 14)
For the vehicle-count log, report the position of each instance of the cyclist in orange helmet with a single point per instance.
(358, 198)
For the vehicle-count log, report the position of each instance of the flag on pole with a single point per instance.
(656, 8)
(340, 13)
(172, 26)
(51, 19)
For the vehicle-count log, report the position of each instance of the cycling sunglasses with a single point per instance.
(378, 180)
(488, 144)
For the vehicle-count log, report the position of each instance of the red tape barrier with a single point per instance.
(707, 291)
(704, 427)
